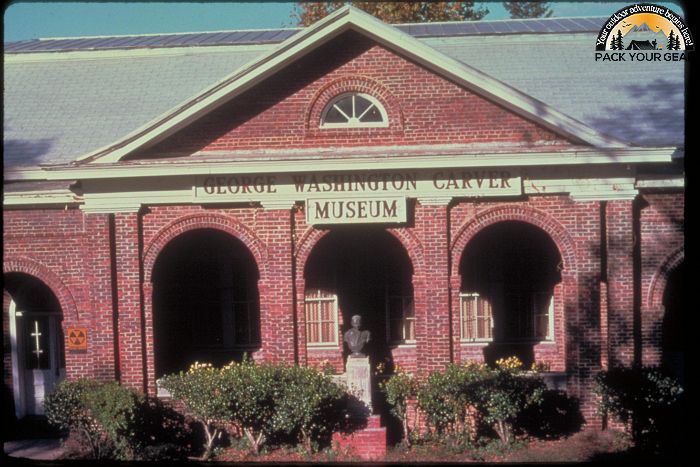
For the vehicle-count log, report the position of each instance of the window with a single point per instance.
(402, 319)
(321, 317)
(534, 314)
(476, 317)
(354, 110)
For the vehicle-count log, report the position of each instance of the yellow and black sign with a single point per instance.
(77, 338)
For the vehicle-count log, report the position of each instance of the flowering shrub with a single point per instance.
(202, 391)
(504, 393)
(399, 389)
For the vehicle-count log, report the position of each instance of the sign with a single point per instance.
(355, 210)
(355, 185)
(77, 338)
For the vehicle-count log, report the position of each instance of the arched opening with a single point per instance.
(359, 271)
(206, 305)
(36, 341)
(509, 271)
(672, 339)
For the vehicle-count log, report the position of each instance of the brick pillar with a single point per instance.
(130, 319)
(620, 273)
(277, 317)
(582, 308)
(431, 287)
(100, 321)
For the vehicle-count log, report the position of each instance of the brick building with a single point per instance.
(473, 190)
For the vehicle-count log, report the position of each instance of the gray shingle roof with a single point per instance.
(57, 110)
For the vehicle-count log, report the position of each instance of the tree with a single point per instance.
(534, 9)
(618, 40)
(306, 13)
(613, 43)
(671, 41)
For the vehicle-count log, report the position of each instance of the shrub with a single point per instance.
(504, 393)
(644, 397)
(105, 415)
(66, 409)
(203, 392)
(252, 394)
(115, 408)
(310, 406)
(445, 397)
(399, 389)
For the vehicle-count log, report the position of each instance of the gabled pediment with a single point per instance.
(310, 39)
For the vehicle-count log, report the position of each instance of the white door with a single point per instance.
(37, 358)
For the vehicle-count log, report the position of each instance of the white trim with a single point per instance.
(41, 197)
(301, 43)
(351, 124)
(17, 379)
(370, 162)
(661, 183)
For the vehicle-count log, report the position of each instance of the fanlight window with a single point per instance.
(354, 110)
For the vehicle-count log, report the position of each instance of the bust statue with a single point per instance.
(355, 338)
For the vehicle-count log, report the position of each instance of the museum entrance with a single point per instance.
(205, 301)
(360, 271)
(36, 342)
(509, 271)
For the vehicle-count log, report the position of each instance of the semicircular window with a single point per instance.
(354, 110)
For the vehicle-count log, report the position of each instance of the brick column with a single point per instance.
(582, 308)
(101, 332)
(431, 286)
(620, 274)
(130, 318)
(277, 317)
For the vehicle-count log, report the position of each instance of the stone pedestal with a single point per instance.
(358, 374)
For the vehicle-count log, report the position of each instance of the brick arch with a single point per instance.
(559, 235)
(354, 84)
(45, 275)
(220, 222)
(657, 287)
(408, 240)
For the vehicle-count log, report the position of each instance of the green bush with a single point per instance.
(310, 406)
(105, 415)
(444, 397)
(400, 388)
(66, 408)
(504, 393)
(203, 392)
(643, 397)
(252, 394)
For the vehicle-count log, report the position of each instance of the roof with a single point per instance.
(273, 36)
(638, 102)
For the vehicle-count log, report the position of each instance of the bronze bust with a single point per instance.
(355, 338)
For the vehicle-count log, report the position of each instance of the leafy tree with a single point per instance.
(306, 13)
(533, 9)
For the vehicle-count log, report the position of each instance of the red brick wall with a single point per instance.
(57, 247)
(71, 253)
(283, 111)
(662, 249)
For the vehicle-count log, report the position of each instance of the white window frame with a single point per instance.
(404, 300)
(353, 121)
(309, 297)
(550, 319)
(475, 296)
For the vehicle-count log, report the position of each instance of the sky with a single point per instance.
(24, 20)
